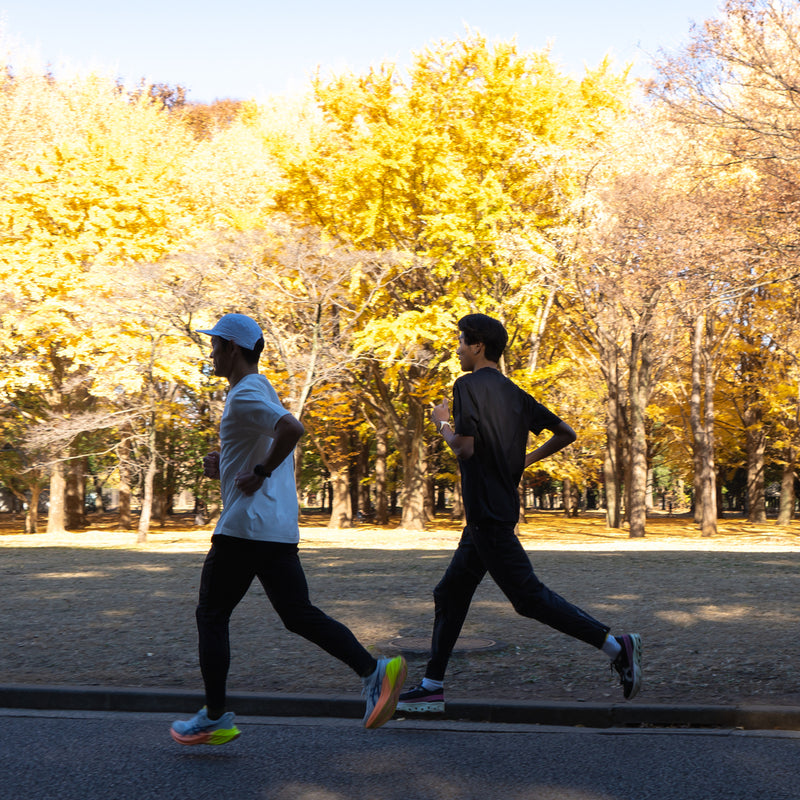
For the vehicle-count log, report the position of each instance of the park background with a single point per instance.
(638, 239)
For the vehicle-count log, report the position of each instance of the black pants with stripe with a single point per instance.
(494, 548)
(229, 569)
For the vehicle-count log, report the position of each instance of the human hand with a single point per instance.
(248, 482)
(211, 465)
(441, 413)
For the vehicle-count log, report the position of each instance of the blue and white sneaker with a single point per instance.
(201, 730)
(628, 664)
(381, 690)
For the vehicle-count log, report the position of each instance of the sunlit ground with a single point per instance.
(542, 530)
(96, 608)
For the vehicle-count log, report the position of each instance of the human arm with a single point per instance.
(462, 446)
(288, 431)
(563, 435)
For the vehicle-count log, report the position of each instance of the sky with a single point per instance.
(251, 49)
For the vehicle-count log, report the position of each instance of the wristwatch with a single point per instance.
(261, 471)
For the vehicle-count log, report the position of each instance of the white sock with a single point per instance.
(432, 685)
(611, 647)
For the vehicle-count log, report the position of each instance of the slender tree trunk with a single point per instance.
(612, 456)
(298, 464)
(364, 498)
(148, 487)
(32, 517)
(339, 482)
(381, 494)
(788, 496)
(341, 500)
(410, 442)
(638, 394)
(430, 489)
(701, 414)
(75, 495)
(354, 475)
(414, 499)
(696, 420)
(125, 491)
(457, 509)
(539, 327)
(569, 498)
(168, 492)
(756, 444)
(56, 514)
(98, 487)
(648, 500)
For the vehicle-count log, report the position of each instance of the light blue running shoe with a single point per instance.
(381, 690)
(201, 730)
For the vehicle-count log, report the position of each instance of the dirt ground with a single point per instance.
(718, 617)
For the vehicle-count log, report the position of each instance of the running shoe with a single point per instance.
(381, 690)
(628, 664)
(421, 701)
(201, 730)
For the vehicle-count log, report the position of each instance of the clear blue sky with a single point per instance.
(253, 48)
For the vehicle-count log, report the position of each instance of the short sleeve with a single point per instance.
(540, 417)
(255, 412)
(465, 410)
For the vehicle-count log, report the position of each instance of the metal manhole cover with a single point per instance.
(465, 644)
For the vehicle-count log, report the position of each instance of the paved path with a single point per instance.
(115, 756)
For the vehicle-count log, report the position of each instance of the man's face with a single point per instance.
(467, 353)
(221, 356)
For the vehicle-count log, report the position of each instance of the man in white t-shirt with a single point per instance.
(257, 536)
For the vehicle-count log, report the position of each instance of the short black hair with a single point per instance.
(481, 329)
(251, 356)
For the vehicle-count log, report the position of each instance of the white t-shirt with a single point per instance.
(252, 410)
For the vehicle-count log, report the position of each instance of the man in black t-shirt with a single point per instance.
(492, 420)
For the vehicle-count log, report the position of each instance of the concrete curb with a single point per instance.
(590, 715)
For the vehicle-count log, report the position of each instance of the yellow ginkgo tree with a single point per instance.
(451, 168)
(76, 208)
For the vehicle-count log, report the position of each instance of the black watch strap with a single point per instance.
(260, 471)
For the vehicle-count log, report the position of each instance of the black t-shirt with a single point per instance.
(499, 415)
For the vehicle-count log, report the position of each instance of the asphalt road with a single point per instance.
(98, 755)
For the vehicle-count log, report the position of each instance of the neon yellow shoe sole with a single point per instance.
(391, 686)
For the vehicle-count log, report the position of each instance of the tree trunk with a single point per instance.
(32, 517)
(147, 487)
(341, 502)
(75, 495)
(354, 474)
(612, 472)
(56, 514)
(701, 415)
(159, 509)
(364, 499)
(756, 443)
(381, 494)
(457, 509)
(788, 497)
(638, 394)
(569, 498)
(125, 491)
(415, 480)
